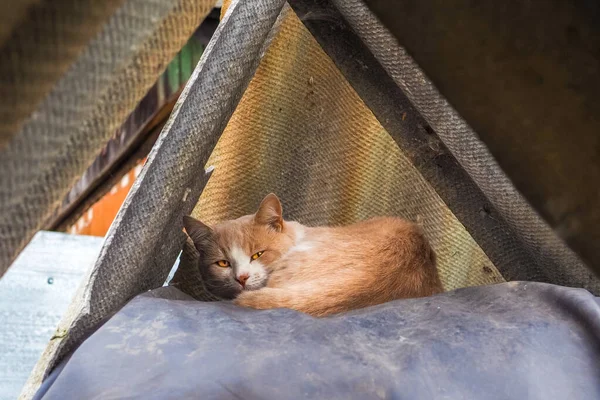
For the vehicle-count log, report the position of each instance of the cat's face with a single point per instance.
(235, 255)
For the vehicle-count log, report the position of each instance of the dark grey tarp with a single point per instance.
(507, 341)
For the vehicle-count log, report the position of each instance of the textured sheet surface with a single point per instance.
(526, 75)
(302, 132)
(553, 260)
(39, 40)
(84, 108)
(507, 341)
(146, 236)
(415, 137)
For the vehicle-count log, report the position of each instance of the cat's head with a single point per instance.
(235, 255)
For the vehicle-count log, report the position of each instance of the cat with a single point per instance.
(263, 262)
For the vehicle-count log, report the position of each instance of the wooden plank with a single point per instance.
(34, 294)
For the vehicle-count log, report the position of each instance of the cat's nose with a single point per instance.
(242, 279)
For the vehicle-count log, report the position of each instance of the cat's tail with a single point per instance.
(417, 274)
(408, 267)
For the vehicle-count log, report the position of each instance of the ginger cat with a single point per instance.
(264, 262)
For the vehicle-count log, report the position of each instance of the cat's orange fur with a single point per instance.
(327, 270)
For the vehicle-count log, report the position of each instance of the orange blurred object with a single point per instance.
(98, 218)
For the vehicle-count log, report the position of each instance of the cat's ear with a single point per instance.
(198, 232)
(270, 213)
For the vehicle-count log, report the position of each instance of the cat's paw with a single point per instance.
(260, 299)
(248, 299)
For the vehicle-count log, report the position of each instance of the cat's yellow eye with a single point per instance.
(256, 255)
(223, 263)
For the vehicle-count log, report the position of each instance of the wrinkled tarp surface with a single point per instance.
(507, 341)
